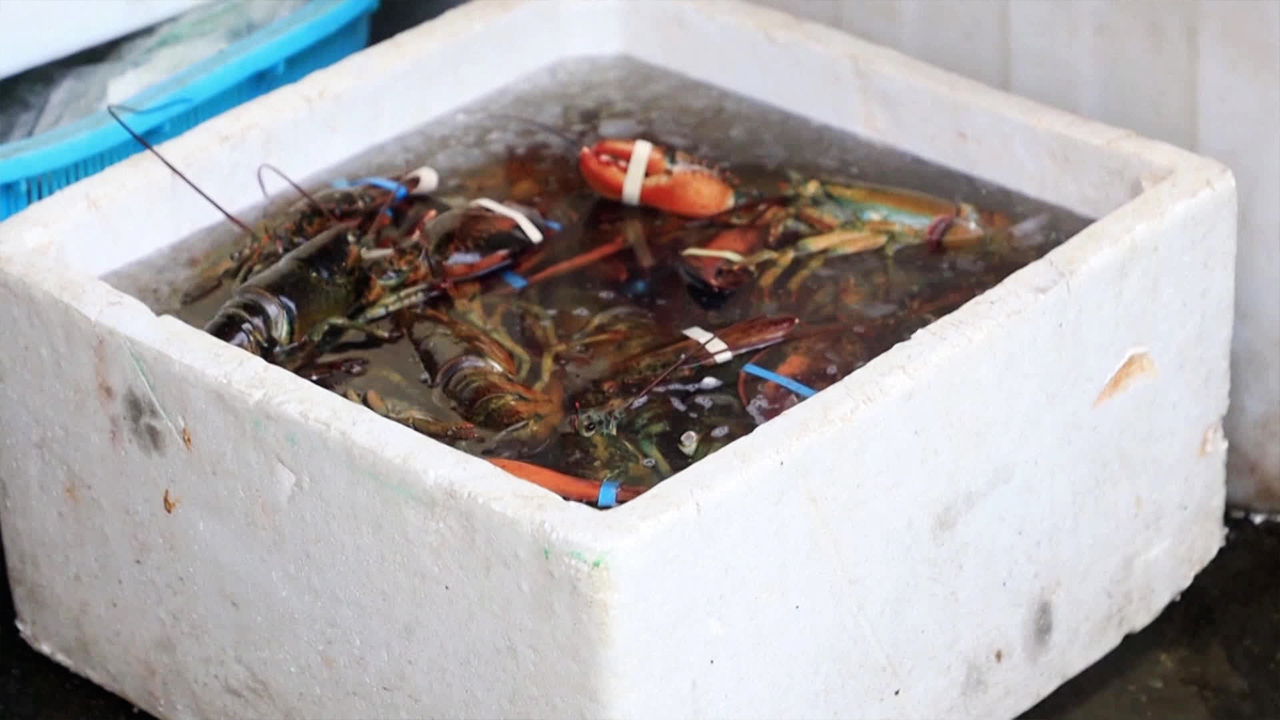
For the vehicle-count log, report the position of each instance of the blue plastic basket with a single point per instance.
(318, 34)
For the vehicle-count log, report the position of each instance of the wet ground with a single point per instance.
(1215, 653)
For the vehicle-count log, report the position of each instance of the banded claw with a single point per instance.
(672, 182)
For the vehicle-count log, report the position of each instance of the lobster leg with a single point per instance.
(648, 445)
(824, 246)
(577, 261)
(472, 314)
(302, 352)
(833, 244)
(400, 300)
(782, 261)
(329, 325)
(322, 373)
(417, 419)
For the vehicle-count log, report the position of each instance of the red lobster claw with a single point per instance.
(671, 182)
(566, 486)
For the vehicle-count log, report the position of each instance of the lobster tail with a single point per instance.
(253, 320)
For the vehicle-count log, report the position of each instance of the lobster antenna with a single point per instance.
(668, 371)
(263, 186)
(660, 378)
(235, 220)
(813, 331)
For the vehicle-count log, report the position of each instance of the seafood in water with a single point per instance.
(583, 365)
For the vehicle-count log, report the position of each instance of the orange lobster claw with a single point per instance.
(672, 184)
(716, 272)
(566, 486)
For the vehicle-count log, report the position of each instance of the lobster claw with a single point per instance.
(569, 487)
(720, 266)
(963, 228)
(479, 238)
(671, 182)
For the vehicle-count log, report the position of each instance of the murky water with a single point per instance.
(563, 338)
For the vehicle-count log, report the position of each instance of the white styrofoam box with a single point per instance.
(33, 32)
(1204, 75)
(952, 531)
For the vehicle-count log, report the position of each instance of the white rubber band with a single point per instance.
(535, 235)
(718, 348)
(428, 180)
(375, 253)
(729, 255)
(637, 169)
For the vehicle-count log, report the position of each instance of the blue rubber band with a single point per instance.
(553, 225)
(385, 184)
(786, 382)
(514, 280)
(400, 190)
(608, 494)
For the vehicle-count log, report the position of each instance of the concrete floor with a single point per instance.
(1213, 654)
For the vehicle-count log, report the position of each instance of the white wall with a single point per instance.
(1202, 74)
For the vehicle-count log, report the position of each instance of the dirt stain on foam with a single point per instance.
(975, 682)
(143, 418)
(107, 392)
(1137, 365)
(1041, 626)
(951, 515)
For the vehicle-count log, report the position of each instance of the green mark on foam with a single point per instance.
(398, 489)
(577, 555)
